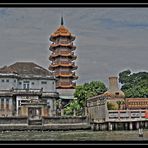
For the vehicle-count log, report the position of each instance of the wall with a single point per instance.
(8, 85)
(5, 111)
(64, 120)
(13, 120)
(50, 86)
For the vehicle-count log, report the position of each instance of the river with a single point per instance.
(75, 136)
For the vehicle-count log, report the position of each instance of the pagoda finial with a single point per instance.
(62, 21)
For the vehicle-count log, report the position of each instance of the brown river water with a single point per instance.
(74, 136)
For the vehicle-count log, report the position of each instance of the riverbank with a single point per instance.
(49, 127)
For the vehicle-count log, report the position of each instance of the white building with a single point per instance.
(27, 89)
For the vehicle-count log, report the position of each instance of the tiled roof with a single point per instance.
(25, 68)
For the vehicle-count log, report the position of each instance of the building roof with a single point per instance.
(25, 68)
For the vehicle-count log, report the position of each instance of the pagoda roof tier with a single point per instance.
(64, 54)
(66, 85)
(61, 31)
(63, 64)
(65, 74)
(54, 45)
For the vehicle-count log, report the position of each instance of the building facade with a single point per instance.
(27, 89)
(62, 61)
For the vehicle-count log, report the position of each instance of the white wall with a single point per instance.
(47, 85)
(8, 85)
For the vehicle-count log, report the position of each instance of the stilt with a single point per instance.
(97, 127)
(137, 125)
(110, 126)
(126, 126)
(130, 126)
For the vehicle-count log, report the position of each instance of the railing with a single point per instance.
(126, 114)
(67, 63)
(66, 84)
(62, 53)
(32, 91)
(69, 73)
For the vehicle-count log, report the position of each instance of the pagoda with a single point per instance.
(62, 59)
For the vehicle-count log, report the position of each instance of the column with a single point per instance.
(16, 106)
(130, 126)
(97, 127)
(146, 124)
(62, 112)
(110, 127)
(126, 126)
(137, 125)
(116, 126)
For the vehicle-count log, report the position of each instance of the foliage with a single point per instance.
(120, 103)
(111, 106)
(87, 90)
(134, 85)
(73, 105)
(82, 93)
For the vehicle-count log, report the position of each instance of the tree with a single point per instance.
(87, 90)
(134, 84)
(82, 93)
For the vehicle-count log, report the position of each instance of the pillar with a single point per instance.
(126, 126)
(130, 126)
(62, 112)
(137, 125)
(110, 126)
(93, 127)
(146, 124)
(97, 127)
(74, 112)
(116, 126)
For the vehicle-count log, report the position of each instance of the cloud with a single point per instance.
(108, 40)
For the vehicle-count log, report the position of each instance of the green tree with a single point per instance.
(134, 84)
(82, 93)
(87, 90)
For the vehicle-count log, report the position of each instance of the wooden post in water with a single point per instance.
(110, 127)
(130, 126)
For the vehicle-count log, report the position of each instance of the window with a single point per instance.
(43, 82)
(7, 104)
(32, 83)
(2, 104)
(20, 83)
(3, 80)
(7, 80)
(14, 81)
(117, 93)
(26, 85)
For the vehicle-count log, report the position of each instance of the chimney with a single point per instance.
(113, 84)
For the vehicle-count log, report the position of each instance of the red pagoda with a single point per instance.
(62, 59)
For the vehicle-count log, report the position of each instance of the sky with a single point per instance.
(108, 40)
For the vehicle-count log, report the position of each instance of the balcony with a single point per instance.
(65, 74)
(64, 64)
(54, 45)
(27, 91)
(62, 53)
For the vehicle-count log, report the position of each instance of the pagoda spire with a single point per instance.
(62, 20)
